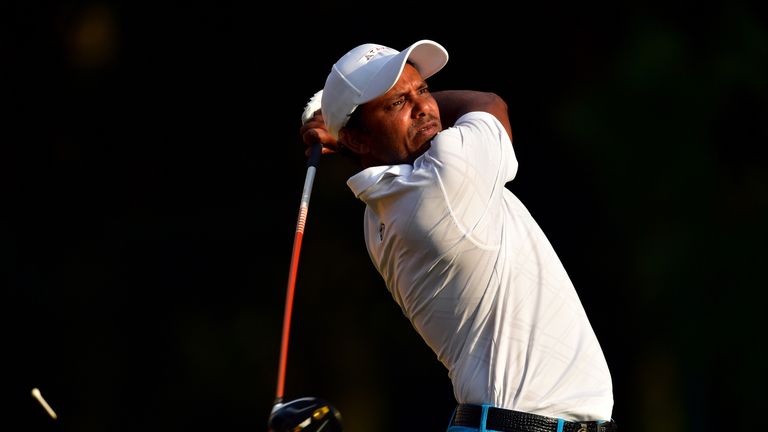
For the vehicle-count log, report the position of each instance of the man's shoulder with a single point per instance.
(477, 117)
(472, 124)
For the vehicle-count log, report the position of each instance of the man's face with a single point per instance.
(398, 125)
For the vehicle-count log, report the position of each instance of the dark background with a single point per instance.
(152, 170)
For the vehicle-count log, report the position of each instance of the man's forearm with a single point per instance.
(455, 103)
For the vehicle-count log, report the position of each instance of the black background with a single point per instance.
(152, 172)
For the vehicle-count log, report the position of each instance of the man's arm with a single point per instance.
(455, 103)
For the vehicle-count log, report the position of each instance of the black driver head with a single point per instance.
(308, 414)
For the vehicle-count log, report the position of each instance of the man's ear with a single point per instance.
(353, 140)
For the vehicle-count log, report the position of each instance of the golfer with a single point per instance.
(460, 254)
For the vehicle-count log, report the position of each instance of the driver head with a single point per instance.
(306, 414)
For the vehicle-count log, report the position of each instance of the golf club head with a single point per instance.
(307, 414)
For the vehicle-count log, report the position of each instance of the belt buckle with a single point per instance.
(582, 427)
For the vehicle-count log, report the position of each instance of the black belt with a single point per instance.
(504, 420)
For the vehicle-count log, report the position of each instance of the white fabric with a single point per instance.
(479, 280)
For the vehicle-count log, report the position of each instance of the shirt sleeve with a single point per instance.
(477, 146)
(471, 163)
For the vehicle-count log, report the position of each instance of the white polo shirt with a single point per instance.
(479, 280)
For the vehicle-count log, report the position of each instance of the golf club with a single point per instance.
(307, 414)
(314, 157)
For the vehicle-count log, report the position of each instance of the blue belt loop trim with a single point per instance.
(560, 423)
(484, 418)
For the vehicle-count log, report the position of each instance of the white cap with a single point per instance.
(370, 70)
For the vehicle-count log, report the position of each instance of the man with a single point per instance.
(460, 254)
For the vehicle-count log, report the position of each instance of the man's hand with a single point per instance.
(314, 131)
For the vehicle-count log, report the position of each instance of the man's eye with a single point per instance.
(424, 90)
(397, 102)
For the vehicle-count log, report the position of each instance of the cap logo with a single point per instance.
(371, 53)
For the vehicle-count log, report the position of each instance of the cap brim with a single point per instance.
(427, 56)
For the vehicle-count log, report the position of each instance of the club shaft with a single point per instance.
(293, 271)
